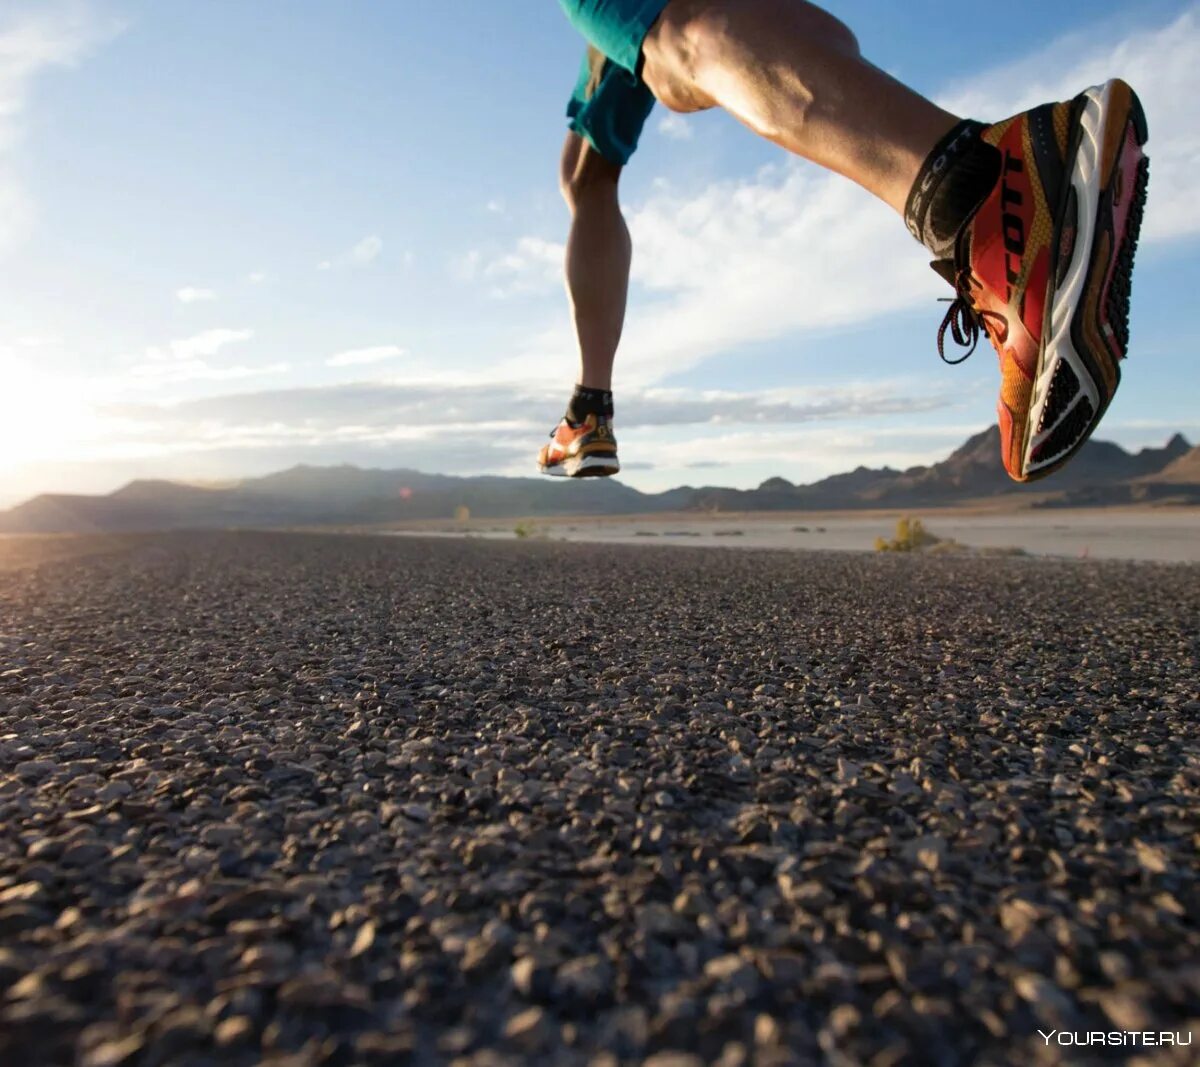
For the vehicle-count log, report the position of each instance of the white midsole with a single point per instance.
(1086, 179)
(570, 468)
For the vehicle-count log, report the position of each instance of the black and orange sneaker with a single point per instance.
(588, 450)
(1044, 268)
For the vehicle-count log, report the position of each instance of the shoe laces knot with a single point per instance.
(964, 321)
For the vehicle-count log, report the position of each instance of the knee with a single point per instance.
(686, 38)
(814, 25)
(835, 34)
(585, 174)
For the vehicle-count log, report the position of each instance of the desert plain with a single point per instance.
(1165, 535)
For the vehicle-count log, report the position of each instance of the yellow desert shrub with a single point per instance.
(911, 536)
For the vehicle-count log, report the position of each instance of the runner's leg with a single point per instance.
(598, 258)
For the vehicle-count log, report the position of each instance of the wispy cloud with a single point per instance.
(777, 407)
(356, 357)
(190, 294)
(198, 370)
(366, 251)
(199, 346)
(787, 251)
(256, 278)
(675, 127)
(438, 409)
(533, 266)
(33, 40)
(188, 359)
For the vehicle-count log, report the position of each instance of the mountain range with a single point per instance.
(1101, 474)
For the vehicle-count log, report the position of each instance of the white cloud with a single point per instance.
(362, 356)
(190, 294)
(188, 359)
(789, 250)
(436, 409)
(675, 127)
(533, 266)
(199, 370)
(365, 252)
(34, 39)
(199, 346)
(853, 400)
(256, 277)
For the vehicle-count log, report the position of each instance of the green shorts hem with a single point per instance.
(612, 116)
(616, 27)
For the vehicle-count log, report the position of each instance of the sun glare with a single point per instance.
(46, 418)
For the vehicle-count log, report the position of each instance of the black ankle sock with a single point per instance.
(585, 402)
(959, 173)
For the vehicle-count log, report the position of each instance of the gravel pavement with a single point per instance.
(300, 799)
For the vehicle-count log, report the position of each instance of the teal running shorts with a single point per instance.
(611, 118)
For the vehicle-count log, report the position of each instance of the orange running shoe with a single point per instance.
(588, 450)
(1044, 268)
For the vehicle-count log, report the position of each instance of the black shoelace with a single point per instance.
(964, 321)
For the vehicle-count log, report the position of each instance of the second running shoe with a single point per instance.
(1044, 268)
(588, 450)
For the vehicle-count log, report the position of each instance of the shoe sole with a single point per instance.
(583, 467)
(1087, 316)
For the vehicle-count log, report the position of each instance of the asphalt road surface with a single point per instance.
(312, 799)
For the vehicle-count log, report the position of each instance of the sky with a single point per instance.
(236, 237)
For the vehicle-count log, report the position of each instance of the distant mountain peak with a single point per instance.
(982, 447)
(150, 487)
(1183, 469)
